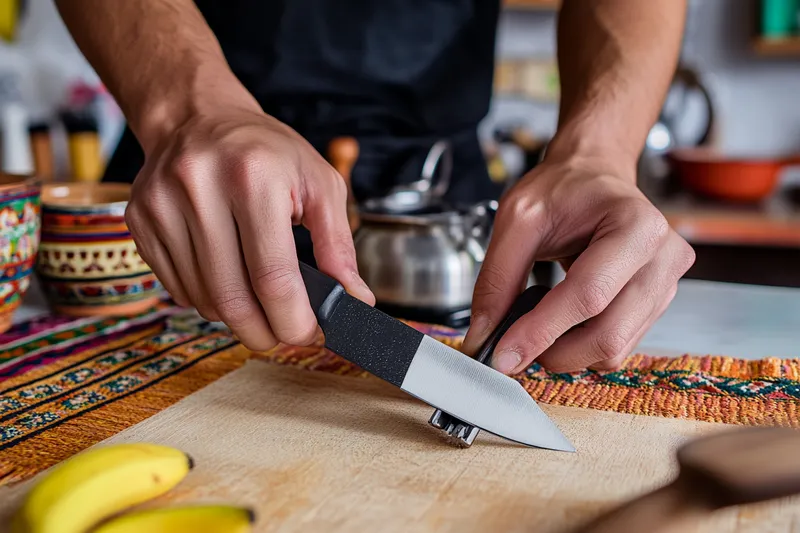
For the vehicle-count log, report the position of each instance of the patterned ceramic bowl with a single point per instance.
(88, 264)
(19, 240)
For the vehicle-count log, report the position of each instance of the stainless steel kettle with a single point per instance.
(419, 256)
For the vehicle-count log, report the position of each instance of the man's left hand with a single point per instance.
(622, 260)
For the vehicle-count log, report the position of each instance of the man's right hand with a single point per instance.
(212, 211)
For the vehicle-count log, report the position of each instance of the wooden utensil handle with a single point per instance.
(670, 509)
(343, 154)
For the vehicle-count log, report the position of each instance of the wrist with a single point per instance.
(194, 92)
(595, 146)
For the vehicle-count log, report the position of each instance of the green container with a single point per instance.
(779, 18)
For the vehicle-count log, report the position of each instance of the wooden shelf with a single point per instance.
(785, 47)
(774, 224)
(539, 5)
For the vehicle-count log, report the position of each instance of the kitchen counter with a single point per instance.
(744, 321)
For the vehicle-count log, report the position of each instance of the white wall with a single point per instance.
(757, 99)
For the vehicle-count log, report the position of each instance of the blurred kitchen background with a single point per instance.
(719, 162)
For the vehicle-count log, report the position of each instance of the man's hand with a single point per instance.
(622, 259)
(581, 205)
(212, 212)
(212, 209)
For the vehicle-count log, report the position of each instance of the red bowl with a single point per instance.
(743, 180)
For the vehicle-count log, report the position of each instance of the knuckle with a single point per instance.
(234, 307)
(184, 165)
(493, 280)
(609, 344)
(276, 281)
(594, 295)
(338, 185)
(650, 227)
(252, 161)
(520, 206)
(686, 257)
(536, 342)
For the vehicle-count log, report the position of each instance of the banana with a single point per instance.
(91, 486)
(189, 519)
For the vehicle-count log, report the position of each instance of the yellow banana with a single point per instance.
(93, 485)
(190, 519)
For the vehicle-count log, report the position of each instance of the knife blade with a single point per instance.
(427, 369)
(461, 433)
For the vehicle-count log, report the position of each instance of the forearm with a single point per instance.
(158, 58)
(616, 60)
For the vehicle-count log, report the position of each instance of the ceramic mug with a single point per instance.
(19, 240)
(88, 263)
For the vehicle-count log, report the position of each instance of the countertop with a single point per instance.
(746, 321)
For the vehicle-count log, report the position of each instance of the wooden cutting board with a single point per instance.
(318, 452)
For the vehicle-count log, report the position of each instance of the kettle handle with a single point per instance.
(691, 79)
(439, 157)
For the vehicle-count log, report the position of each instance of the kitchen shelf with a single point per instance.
(538, 5)
(785, 47)
(701, 223)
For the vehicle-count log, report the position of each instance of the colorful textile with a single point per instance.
(66, 384)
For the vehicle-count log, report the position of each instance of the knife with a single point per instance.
(462, 433)
(427, 369)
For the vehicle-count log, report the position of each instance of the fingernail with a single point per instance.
(367, 294)
(479, 323)
(506, 361)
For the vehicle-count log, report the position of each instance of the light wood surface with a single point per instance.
(318, 452)
(728, 468)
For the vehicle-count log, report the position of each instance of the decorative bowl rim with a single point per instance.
(82, 206)
(17, 181)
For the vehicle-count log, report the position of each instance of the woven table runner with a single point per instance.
(66, 384)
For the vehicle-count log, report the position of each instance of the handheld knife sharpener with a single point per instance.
(461, 433)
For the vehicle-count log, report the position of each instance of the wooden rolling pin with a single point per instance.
(343, 154)
(731, 468)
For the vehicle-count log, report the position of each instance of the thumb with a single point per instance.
(503, 276)
(325, 217)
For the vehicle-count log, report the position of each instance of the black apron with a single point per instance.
(397, 75)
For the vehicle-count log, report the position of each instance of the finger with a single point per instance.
(325, 217)
(616, 362)
(265, 230)
(173, 232)
(152, 251)
(607, 339)
(591, 284)
(215, 237)
(509, 258)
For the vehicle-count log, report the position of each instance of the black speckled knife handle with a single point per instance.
(462, 433)
(376, 342)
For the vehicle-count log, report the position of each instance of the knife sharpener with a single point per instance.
(461, 433)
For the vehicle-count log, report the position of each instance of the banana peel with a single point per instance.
(10, 11)
(188, 519)
(89, 487)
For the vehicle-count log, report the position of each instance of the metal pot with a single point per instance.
(419, 256)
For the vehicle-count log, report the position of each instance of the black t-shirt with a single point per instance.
(402, 67)
(396, 74)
